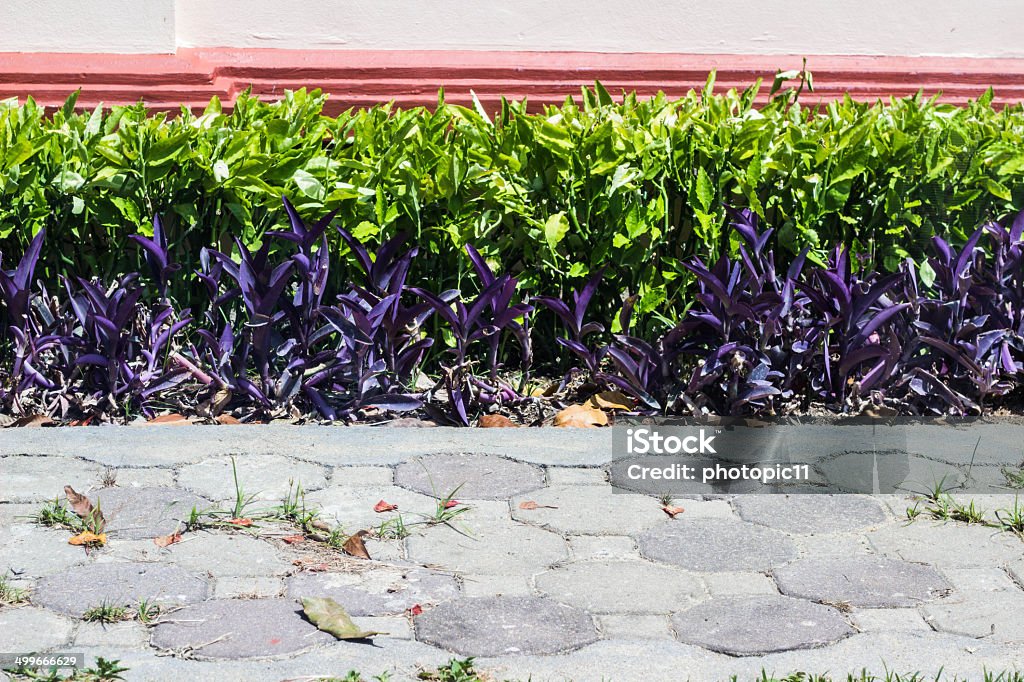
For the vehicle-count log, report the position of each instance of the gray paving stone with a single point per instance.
(621, 587)
(737, 584)
(588, 510)
(952, 545)
(26, 629)
(11, 514)
(586, 547)
(832, 544)
(998, 616)
(924, 654)
(807, 514)
(749, 626)
(495, 585)
(716, 545)
(491, 626)
(965, 580)
(477, 477)
(221, 554)
(127, 635)
(240, 628)
(494, 548)
(264, 476)
(897, 620)
(634, 626)
(248, 587)
(378, 591)
(855, 472)
(32, 551)
(576, 476)
(148, 477)
(352, 507)
(38, 479)
(868, 582)
(146, 513)
(83, 587)
(1016, 571)
(353, 476)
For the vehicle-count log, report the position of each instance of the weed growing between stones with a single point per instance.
(11, 595)
(107, 613)
(102, 671)
(938, 504)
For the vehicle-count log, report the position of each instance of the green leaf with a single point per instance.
(705, 191)
(19, 152)
(308, 184)
(555, 229)
(927, 273)
(329, 616)
(998, 189)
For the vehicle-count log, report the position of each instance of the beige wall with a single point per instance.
(988, 28)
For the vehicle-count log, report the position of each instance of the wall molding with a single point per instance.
(411, 78)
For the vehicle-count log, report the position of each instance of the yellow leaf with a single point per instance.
(610, 400)
(581, 416)
(88, 538)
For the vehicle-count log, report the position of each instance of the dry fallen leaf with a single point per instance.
(329, 616)
(245, 523)
(82, 422)
(321, 525)
(496, 421)
(415, 610)
(383, 506)
(294, 539)
(530, 505)
(610, 400)
(83, 508)
(88, 539)
(227, 420)
(672, 511)
(167, 540)
(355, 546)
(32, 420)
(169, 420)
(581, 416)
(545, 391)
(448, 504)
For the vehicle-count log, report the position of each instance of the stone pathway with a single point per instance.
(548, 574)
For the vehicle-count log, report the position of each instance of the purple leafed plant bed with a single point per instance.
(269, 341)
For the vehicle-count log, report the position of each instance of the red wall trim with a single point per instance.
(411, 78)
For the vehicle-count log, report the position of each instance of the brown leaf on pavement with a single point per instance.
(581, 416)
(167, 540)
(355, 546)
(672, 511)
(530, 505)
(169, 420)
(383, 506)
(32, 420)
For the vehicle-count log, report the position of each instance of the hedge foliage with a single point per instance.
(638, 186)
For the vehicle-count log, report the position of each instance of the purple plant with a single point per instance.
(573, 319)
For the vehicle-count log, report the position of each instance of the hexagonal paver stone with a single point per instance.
(220, 555)
(79, 589)
(352, 507)
(868, 581)
(144, 513)
(711, 544)
(32, 551)
(379, 591)
(265, 476)
(622, 587)
(993, 615)
(31, 629)
(469, 476)
(491, 547)
(811, 513)
(495, 626)
(35, 479)
(946, 545)
(588, 510)
(750, 626)
(240, 628)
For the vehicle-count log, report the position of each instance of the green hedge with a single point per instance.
(637, 186)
